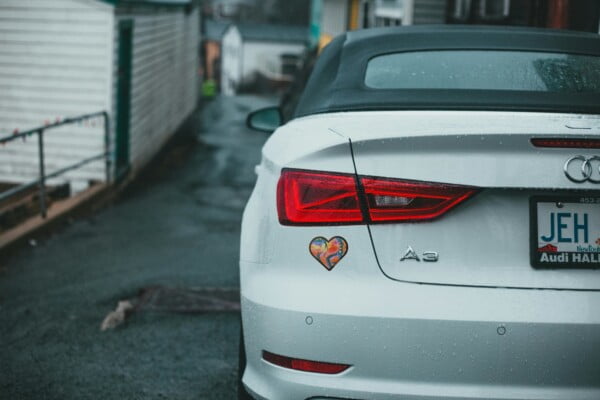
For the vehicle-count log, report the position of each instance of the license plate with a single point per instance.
(565, 232)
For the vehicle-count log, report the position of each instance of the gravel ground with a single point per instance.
(177, 228)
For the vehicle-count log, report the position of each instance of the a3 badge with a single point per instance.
(328, 252)
(427, 256)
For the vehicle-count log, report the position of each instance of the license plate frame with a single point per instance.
(592, 200)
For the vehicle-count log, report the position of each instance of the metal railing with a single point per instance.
(41, 181)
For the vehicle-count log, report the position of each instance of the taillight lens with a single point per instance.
(324, 198)
(304, 365)
(305, 197)
(398, 200)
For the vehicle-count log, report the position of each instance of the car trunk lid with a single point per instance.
(485, 241)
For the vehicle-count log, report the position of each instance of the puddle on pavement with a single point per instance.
(175, 300)
(188, 300)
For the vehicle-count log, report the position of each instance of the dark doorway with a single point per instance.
(123, 98)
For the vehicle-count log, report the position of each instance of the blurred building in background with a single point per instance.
(230, 10)
(258, 49)
(285, 12)
(136, 60)
(212, 37)
(252, 45)
(329, 18)
(582, 15)
(260, 57)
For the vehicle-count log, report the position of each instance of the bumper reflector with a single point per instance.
(304, 365)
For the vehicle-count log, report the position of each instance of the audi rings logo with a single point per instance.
(581, 169)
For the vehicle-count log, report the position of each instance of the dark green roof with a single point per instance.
(214, 30)
(273, 32)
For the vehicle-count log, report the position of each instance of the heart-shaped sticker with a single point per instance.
(328, 252)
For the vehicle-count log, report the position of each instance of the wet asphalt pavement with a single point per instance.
(175, 229)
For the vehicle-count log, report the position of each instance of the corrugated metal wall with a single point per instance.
(54, 63)
(429, 12)
(164, 88)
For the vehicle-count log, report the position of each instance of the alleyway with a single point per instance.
(178, 227)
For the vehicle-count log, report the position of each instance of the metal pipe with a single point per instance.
(76, 165)
(21, 188)
(41, 182)
(18, 189)
(42, 179)
(107, 160)
(65, 121)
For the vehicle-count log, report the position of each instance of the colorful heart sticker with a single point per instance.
(328, 252)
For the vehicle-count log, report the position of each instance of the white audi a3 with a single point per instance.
(427, 223)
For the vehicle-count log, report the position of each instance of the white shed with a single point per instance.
(137, 60)
(231, 60)
(251, 49)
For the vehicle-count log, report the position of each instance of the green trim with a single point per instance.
(123, 117)
(176, 3)
(126, 24)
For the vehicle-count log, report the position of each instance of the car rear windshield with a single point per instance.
(485, 69)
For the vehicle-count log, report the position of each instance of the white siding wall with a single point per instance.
(164, 87)
(263, 56)
(54, 63)
(231, 61)
(334, 17)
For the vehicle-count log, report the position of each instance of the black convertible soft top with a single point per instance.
(337, 81)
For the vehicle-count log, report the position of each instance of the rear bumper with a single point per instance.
(409, 341)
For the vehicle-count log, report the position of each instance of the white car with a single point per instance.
(427, 225)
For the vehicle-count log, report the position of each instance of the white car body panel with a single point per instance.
(408, 341)
(484, 149)
(424, 333)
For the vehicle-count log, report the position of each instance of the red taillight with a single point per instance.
(317, 198)
(567, 143)
(323, 198)
(397, 200)
(304, 365)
